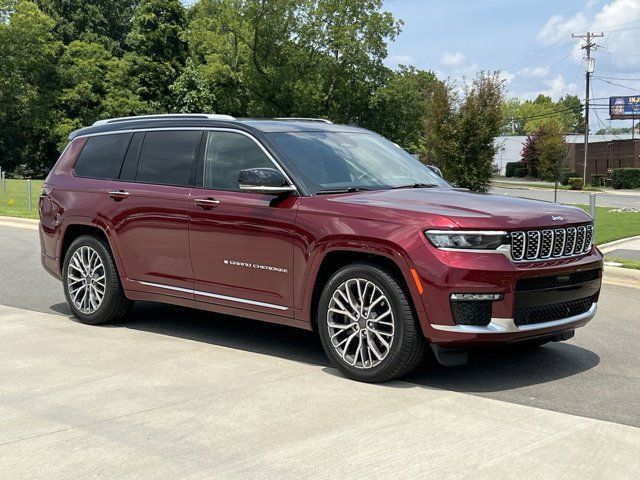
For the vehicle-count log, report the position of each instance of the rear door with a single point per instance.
(150, 210)
(241, 243)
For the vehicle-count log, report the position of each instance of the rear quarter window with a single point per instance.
(102, 156)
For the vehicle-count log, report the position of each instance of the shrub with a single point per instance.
(596, 180)
(565, 175)
(575, 183)
(520, 172)
(625, 178)
(511, 167)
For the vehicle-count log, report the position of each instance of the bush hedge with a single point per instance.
(565, 175)
(520, 172)
(575, 183)
(625, 178)
(511, 167)
(596, 179)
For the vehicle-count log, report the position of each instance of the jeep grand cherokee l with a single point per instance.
(305, 223)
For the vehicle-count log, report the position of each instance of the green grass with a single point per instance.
(612, 226)
(547, 186)
(14, 203)
(634, 264)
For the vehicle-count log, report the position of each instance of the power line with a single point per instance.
(616, 84)
(563, 39)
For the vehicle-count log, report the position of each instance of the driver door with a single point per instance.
(241, 243)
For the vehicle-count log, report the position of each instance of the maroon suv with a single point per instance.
(314, 225)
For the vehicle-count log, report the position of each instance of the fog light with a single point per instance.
(477, 297)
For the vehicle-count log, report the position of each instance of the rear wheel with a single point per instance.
(367, 326)
(91, 283)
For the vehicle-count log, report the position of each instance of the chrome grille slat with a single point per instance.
(532, 245)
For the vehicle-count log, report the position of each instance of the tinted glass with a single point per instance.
(102, 156)
(228, 153)
(336, 160)
(130, 165)
(166, 157)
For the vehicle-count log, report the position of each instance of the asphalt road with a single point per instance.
(615, 200)
(595, 375)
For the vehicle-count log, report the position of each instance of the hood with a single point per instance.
(468, 210)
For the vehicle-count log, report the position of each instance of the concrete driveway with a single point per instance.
(175, 393)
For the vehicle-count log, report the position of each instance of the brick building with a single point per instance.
(604, 154)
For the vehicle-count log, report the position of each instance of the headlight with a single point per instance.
(471, 240)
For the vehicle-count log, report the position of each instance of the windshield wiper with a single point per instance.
(339, 190)
(417, 185)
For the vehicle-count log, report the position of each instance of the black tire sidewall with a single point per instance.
(381, 280)
(98, 316)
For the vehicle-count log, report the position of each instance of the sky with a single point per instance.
(528, 41)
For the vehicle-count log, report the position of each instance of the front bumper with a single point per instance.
(445, 272)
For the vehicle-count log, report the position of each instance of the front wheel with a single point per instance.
(91, 283)
(367, 326)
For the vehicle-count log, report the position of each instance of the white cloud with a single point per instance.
(533, 72)
(614, 18)
(557, 28)
(453, 60)
(402, 59)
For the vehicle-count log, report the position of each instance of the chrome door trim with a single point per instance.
(215, 295)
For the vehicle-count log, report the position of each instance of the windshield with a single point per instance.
(335, 161)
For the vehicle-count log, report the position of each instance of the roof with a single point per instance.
(213, 121)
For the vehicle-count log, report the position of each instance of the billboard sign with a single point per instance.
(621, 108)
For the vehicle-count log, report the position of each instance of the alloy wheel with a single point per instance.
(86, 280)
(360, 323)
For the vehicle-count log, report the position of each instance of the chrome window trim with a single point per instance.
(201, 129)
(214, 295)
(508, 325)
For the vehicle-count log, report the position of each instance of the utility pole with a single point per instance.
(590, 64)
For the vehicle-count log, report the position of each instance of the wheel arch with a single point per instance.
(334, 259)
(77, 228)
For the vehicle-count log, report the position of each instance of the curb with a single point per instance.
(615, 243)
(17, 222)
(623, 277)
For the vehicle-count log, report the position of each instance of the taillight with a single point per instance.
(46, 191)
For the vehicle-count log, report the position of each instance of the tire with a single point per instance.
(369, 360)
(88, 253)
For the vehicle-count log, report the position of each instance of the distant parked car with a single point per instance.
(319, 226)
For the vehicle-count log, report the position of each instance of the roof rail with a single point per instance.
(303, 119)
(208, 116)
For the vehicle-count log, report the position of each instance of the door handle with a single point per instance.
(118, 195)
(206, 203)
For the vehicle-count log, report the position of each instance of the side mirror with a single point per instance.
(264, 180)
(435, 170)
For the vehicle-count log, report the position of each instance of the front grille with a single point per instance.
(549, 313)
(471, 312)
(551, 243)
(555, 281)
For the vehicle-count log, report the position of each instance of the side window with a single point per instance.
(102, 156)
(166, 157)
(227, 153)
(130, 164)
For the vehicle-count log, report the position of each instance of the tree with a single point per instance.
(28, 85)
(531, 155)
(158, 51)
(522, 118)
(477, 123)
(313, 58)
(398, 109)
(94, 84)
(552, 148)
(106, 22)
